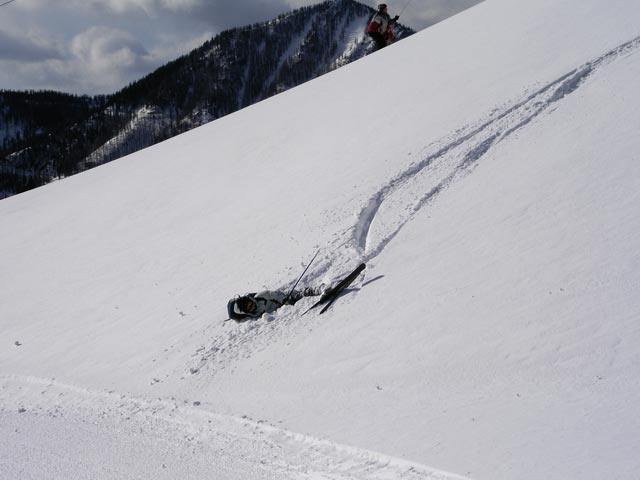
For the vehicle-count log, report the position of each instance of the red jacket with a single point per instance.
(373, 27)
(381, 23)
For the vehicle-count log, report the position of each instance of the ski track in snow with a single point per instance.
(378, 222)
(417, 187)
(281, 453)
(443, 163)
(220, 443)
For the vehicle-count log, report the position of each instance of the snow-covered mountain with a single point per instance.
(486, 170)
(48, 135)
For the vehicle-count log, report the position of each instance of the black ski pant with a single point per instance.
(380, 39)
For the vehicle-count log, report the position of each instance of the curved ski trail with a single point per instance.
(395, 204)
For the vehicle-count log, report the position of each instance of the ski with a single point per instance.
(330, 296)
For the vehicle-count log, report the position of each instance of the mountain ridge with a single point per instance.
(233, 70)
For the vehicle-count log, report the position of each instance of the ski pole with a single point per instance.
(405, 7)
(298, 281)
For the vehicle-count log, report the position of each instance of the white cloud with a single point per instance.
(177, 5)
(422, 16)
(119, 7)
(224, 14)
(102, 47)
(106, 56)
(150, 7)
(27, 46)
(98, 46)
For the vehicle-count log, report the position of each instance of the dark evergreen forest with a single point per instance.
(46, 135)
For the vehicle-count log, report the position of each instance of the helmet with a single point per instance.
(246, 304)
(241, 308)
(382, 6)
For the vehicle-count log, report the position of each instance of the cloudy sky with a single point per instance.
(99, 46)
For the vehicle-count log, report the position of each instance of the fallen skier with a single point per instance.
(253, 305)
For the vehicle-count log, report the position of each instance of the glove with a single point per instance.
(395, 19)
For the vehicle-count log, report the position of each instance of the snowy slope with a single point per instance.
(487, 171)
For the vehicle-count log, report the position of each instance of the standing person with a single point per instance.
(379, 27)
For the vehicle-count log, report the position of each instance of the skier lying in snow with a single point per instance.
(253, 305)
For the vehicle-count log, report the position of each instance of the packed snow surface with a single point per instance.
(486, 169)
